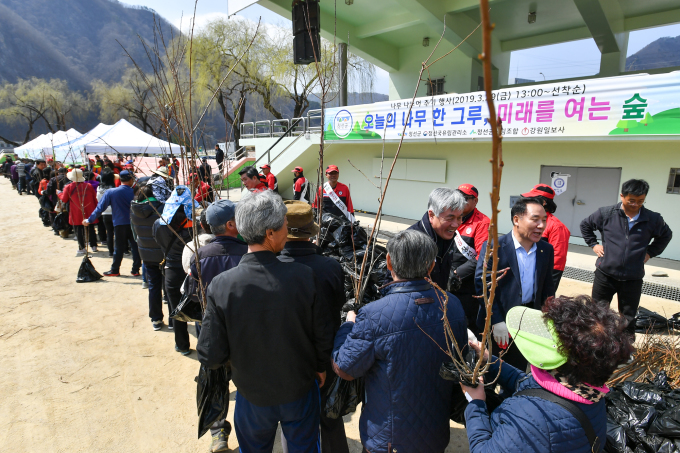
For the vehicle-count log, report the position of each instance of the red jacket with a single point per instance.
(328, 206)
(557, 235)
(272, 182)
(474, 231)
(203, 192)
(81, 199)
(261, 187)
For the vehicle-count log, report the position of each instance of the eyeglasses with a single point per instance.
(469, 197)
(635, 203)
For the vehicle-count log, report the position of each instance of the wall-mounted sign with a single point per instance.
(616, 106)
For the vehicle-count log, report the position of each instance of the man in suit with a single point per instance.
(528, 281)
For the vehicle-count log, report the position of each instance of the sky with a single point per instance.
(565, 60)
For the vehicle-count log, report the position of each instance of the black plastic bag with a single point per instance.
(343, 397)
(46, 203)
(667, 424)
(616, 439)
(60, 222)
(643, 393)
(647, 320)
(187, 310)
(87, 272)
(661, 381)
(331, 222)
(212, 397)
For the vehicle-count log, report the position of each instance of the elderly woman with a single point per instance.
(268, 319)
(573, 347)
(394, 345)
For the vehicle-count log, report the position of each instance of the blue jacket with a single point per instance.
(527, 424)
(509, 289)
(407, 404)
(217, 256)
(119, 199)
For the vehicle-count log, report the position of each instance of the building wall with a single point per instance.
(457, 68)
(468, 162)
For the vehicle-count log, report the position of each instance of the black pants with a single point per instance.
(123, 234)
(154, 278)
(627, 291)
(101, 230)
(174, 277)
(80, 235)
(556, 276)
(107, 220)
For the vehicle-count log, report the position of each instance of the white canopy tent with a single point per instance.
(42, 146)
(31, 149)
(71, 151)
(124, 138)
(57, 139)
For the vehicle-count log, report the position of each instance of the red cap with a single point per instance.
(299, 169)
(469, 189)
(540, 190)
(266, 166)
(193, 176)
(331, 168)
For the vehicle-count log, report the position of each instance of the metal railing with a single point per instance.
(263, 129)
(314, 121)
(299, 126)
(247, 130)
(279, 127)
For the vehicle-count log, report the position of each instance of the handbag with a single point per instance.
(187, 310)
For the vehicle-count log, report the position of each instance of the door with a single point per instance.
(588, 188)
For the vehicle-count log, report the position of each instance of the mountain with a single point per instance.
(662, 53)
(73, 40)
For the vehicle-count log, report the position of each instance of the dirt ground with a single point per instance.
(82, 368)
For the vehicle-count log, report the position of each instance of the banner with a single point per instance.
(638, 104)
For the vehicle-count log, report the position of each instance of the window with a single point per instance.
(674, 181)
(435, 87)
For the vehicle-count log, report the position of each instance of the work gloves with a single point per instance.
(501, 335)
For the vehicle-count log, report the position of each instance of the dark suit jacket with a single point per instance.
(509, 289)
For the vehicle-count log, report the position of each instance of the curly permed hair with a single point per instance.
(593, 337)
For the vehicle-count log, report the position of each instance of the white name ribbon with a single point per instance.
(305, 186)
(328, 190)
(468, 252)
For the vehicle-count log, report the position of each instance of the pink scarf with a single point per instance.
(546, 380)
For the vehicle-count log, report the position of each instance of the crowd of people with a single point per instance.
(273, 304)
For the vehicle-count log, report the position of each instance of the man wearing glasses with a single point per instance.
(444, 214)
(631, 235)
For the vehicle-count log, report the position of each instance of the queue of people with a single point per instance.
(273, 310)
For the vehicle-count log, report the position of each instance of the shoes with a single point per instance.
(56, 233)
(135, 273)
(80, 252)
(110, 254)
(94, 249)
(219, 442)
(145, 285)
(184, 353)
(127, 253)
(111, 274)
(157, 325)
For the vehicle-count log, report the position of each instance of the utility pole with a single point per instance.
(342, 68)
